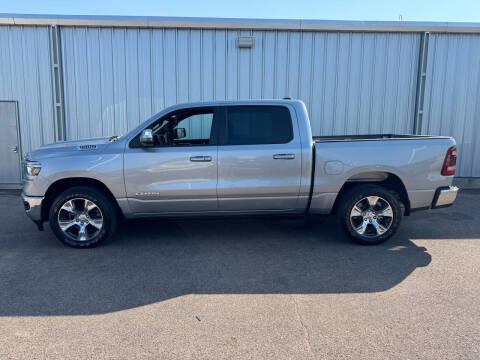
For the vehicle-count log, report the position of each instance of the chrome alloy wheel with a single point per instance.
(80, 219)
(371, 216)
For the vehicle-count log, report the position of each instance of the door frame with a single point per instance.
(132, 147)
(223, 143)
(20, 152)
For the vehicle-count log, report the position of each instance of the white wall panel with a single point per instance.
(207, 71)
(452, 96)
(119, 82)
(144, 55)
(107, 82)
(351, 82)
(25, 76)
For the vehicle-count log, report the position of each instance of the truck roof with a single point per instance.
(235, 102)
(294, 102)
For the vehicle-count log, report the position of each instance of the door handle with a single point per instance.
(200, 158)
(284, 156)
(15, 148)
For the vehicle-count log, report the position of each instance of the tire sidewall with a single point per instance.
(108, 213)
(355, 195)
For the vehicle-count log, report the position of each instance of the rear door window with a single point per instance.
(252, 125)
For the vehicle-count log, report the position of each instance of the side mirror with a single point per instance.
(146, 138)
(180, 133)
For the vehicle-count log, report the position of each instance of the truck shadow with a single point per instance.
(155, 260)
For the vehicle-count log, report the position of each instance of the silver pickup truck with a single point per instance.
(236, 158)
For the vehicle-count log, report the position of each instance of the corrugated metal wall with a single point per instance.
(452, 96)
(351, 82)
(25, 76)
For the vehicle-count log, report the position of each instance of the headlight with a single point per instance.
(32, 169)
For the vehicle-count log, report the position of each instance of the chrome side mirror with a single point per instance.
(146, 138)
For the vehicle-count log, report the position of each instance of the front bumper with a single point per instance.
(444, 196)
(33, 207)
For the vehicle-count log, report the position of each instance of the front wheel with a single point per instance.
(82, 217)
(369, 214)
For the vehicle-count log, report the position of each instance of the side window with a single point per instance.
(197, 127)
(192, 127)
(249, 125)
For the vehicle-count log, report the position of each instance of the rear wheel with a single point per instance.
(369, 214)
(82, 217)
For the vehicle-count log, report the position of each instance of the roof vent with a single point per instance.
(245, 42)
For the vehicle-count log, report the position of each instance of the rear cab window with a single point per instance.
(255, 125)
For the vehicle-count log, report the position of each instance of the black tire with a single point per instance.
(372, 236)
(106, 210)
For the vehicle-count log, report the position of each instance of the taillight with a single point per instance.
(450, 162)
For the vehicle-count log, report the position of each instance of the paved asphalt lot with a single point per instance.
(243, 288)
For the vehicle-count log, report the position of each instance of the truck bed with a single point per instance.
(371, 137)
(416, 162)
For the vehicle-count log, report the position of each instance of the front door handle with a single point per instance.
(200, 158)
(284, 156)
(15, 148)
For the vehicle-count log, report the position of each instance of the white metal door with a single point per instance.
(9, 144)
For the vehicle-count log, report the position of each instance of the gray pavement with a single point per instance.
(243, 288)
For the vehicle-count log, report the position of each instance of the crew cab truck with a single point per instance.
(236, 158)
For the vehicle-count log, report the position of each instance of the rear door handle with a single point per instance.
(284, 156)
(200, 158)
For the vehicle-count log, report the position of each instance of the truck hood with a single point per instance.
(68, 148)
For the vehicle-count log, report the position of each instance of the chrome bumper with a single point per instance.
(33, 207)
(444, 196)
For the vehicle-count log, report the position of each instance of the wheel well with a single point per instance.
(61, 185)
(387, 180)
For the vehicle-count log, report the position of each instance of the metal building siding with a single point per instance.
(25, 76)
(452, 93)
(351, 82)
(369, 83)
